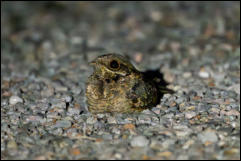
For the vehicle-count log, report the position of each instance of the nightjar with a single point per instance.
(116, 86)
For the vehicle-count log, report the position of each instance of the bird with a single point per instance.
(116, 86)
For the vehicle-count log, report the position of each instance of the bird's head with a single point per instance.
(112, 65)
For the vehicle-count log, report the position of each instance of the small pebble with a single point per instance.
(190, 115)
(63, 124)
(139, 141)
(15, 99)
(12, 144)
(91, 120)
(203, 74)
(184, 133)
(209, 136)
(187, 75)
(111, 120)
(68, 98)
(73, 111)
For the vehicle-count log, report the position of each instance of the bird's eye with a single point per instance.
(114, 64)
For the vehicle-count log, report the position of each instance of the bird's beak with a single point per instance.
(92, 63)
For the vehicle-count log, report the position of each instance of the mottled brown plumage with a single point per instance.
(116, 86)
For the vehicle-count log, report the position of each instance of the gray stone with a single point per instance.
(139, 141)
(208, 135)
(63, 124)
(91, 120)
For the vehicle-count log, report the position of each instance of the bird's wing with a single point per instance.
(142, 94)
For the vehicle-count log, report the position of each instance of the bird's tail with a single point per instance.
(164, 90)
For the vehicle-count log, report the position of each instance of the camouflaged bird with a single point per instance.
(116, 86)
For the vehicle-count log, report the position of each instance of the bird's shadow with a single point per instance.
(159, 82)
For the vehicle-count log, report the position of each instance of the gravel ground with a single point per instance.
(45, 48)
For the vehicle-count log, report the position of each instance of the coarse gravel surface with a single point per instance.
(45, 50)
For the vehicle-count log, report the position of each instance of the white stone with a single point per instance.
(187, 74)
(15, 99)
(190, 115)
(236, 88)
(91, 120)
(139, 141)
(204, 74)
(156, 16)
(68, 98)
(111, 120)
